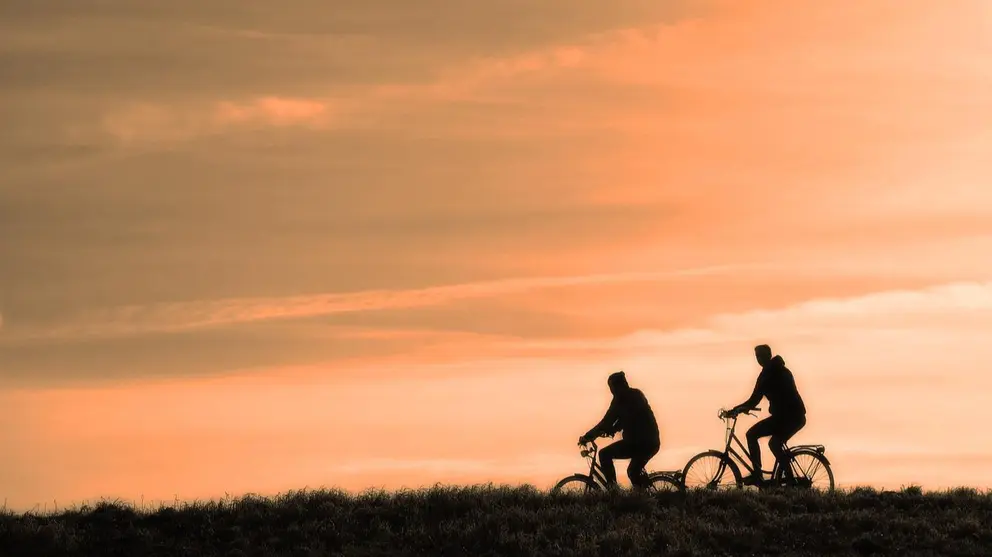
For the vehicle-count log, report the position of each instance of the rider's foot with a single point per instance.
(642, 483)
(793, 481)
(753, 479)
(612, 487)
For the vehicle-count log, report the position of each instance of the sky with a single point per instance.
(253, 248)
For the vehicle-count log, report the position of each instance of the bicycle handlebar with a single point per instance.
(725, 414)
(590, 452)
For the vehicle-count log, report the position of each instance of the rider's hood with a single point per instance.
(777, 361)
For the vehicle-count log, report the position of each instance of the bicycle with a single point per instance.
(595, 481)
(709, 468)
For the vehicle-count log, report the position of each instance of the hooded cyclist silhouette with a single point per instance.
(787, 413)
(630, 413)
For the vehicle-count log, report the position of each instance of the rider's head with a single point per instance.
(617, 382)
(763, 353)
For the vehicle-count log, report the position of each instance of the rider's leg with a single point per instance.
(786, 429)
(764, 428)
(619, 450)
(638, 461)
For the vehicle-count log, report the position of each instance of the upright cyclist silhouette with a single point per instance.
(787, 413)
(630, 413)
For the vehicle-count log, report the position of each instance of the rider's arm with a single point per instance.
(756, 395)
(607, 424)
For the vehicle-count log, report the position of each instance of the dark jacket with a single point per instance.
(776, 383)
(630, 413)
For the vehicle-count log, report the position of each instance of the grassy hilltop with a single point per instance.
(483, 521)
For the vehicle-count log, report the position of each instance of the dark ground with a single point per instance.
(483, 521)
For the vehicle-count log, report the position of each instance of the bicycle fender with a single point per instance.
(811, 452)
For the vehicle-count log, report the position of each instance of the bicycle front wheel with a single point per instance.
(578, 483)
(711, 470)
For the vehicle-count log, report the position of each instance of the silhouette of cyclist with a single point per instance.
(787, 413)
(630, 413)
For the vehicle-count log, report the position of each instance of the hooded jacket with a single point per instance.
(630, 413)
(776, 383)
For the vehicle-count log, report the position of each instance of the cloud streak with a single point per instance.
(171, 317)
(157, 122)
(951, 308)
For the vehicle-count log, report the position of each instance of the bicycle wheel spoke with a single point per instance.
(575, 486)
(705, 472)
(815, 474)
(663, 483)
(711, 472)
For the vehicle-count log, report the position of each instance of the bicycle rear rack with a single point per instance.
(818, 448)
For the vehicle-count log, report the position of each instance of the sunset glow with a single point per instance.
(250, 248)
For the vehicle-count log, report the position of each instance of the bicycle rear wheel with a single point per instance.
(577, 483)
(664, 483)
(811, 470)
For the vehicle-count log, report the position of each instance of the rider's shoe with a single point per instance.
(613, 487)
(792, 481)
(643, 483)
(753, 479)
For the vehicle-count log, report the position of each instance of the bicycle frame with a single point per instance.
(743, 457)
(736, 457)
(595, 471)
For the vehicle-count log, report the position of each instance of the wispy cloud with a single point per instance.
(158, 122)
(276, 111)
(140, 319)
(153, 122)
(946, 307)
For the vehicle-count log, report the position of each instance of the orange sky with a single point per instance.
(250, 248)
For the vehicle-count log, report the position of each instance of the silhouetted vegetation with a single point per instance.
(481, 521)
